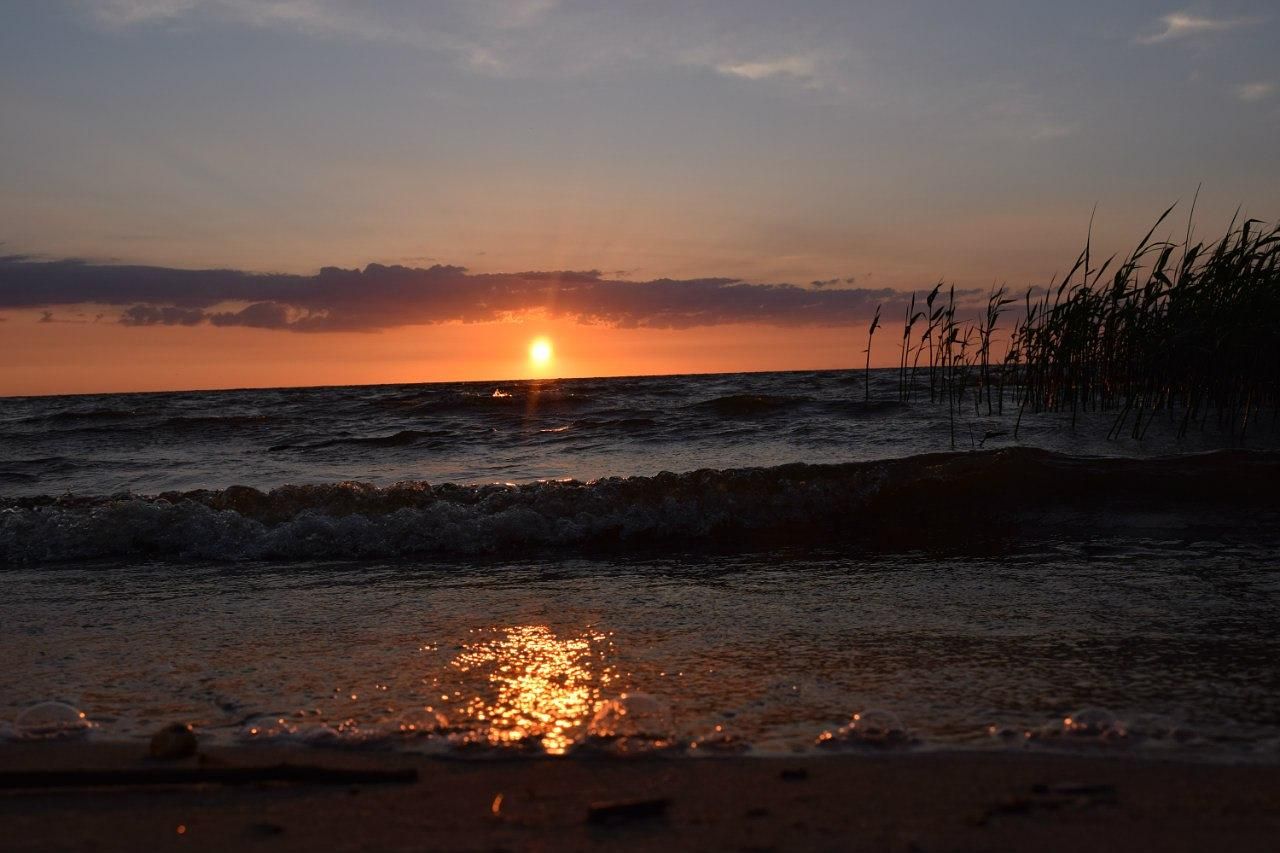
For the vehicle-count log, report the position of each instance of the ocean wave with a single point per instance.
(496, 400)
(131, 421)
(623, 424)
(861, 408)
(106, 414)
(940, 502)
(403, 438)
(69, 419)
(201, 422)
(750, 405)
(29, 470)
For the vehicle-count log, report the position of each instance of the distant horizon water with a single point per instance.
(741, 561)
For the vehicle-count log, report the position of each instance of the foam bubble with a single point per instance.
(268, 727)
(421, 722)
(873, 727)
(1006, 734)
(1096, 723)
(48, 720)
(720, 740)
(1084, 727)
(1161, 728)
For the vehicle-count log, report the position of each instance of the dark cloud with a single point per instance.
(833, 282)
(259, 315)
(380, 297)
(169, 315)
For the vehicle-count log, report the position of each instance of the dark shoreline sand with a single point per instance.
(906, 802)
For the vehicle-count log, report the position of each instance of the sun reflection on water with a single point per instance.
(525, 681)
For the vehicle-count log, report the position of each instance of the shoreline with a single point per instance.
(922, 801)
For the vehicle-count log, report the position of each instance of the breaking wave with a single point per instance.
(938, 502)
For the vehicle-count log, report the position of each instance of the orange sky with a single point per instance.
(840, 148)
(73, 358)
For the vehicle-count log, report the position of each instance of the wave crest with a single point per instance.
(949, 502)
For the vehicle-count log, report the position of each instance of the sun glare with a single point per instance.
(540, 352)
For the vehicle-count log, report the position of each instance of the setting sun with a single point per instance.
(540, 352)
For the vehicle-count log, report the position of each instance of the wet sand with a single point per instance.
(903, 802)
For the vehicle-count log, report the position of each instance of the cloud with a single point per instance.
(1016, 113)
(323, 18)
(1255, 91)
(1180, 25)
(382, 297)
(513, 38)
(169, 315)
(513, 14)
(796, 67)
(833, 282)
(123, 13)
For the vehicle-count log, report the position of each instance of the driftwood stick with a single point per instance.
(297, 774)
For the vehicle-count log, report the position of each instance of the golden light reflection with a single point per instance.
(527, 682)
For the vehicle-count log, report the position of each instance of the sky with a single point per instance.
(228, 193)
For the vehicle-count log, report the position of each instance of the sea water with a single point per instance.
(683, 564)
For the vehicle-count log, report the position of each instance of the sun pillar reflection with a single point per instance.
(525, 682)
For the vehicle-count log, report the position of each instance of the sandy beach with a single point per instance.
(903, 802)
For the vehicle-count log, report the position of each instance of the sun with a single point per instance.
(540, 352)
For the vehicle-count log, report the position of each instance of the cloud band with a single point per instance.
(381, 297)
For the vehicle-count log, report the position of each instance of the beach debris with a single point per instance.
(627, 810)
(874, 728)
(1047, 797)
(1075, 789)
(174, 741)
(51, 720)
(496, 806)
(266, 829)
(296, 774)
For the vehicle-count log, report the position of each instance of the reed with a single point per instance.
(1187, 328)
(871, 332)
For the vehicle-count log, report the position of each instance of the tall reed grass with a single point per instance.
(1190, 329)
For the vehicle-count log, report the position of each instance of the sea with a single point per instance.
(765, 563)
